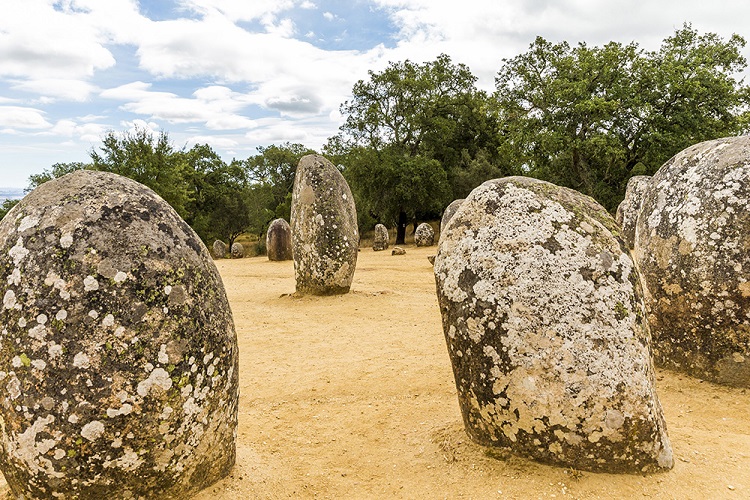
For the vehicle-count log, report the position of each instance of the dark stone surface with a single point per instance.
(325, 240)
(219, 249)
(279, 240)
(544, 322)
(119, 361)
(449, 212)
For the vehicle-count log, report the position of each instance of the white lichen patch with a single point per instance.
(158, 378)
(90, 284)
(92, 430)
(9, 299)
(81, 360)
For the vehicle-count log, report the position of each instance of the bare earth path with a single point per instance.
(352, 396)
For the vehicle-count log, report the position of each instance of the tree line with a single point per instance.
(418, 136)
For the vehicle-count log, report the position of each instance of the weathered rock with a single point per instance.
(118, 367)
(630, 207)
(543, 318)
(692, 248)
(450, 210)
(431, 258)
(324, 228)
(279, 240)
(398, 251)
(424, 236)
(219, 249)
(238, 251)
(380, 240)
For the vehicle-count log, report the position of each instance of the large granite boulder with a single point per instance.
(544, 321)
(424, 236)
(119, 361)
(380, 239)
(325, 241)
(449, 211)
(279, 240)
(219, 249)
(630, 207)
(692, 248)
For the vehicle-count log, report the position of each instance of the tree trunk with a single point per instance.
(401, 228)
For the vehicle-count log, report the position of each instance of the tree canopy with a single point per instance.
(591, 117)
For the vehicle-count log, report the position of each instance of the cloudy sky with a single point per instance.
(238, 74)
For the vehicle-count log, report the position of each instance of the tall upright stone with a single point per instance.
(630, 207)
(424, 236)
(219, 249)
(119, 366)
(544, 321)
(380, 238)
(692, 248)
(325, 240)
(279, 240)
(449, 212)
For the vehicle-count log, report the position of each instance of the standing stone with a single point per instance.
(424, 236)
(324, 228)
(119, 367)
(543, 318)
(630, 207)
(238, 251)
(219, 249)
(380, 240)
(692, 248)
(450, 210)
(279, 240)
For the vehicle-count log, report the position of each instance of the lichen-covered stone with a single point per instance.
(543, 318)
(219, 249)
(630, 207)
(398, 251)
(238, 251)
(450, 210)
(692, 246)
(424, 236)
(325, 241)
(380, 239)
(118, 355)
(279, 240)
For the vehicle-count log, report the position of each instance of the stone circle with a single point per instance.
(325, 238)
(119, 367)
(544, 321)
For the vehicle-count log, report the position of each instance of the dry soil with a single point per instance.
(352, 396)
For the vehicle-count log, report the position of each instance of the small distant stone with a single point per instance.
(691, 245)
(279, 240)
(238, 251)
(424, 236)
(148, 407)
(630, 207)
(544, 321)
(325, 239)
(431, 258)
(398, 251)
(219, 249)
(380, 239)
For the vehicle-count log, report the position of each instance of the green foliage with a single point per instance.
(55, 171)
(591, 117)
(148, 159)
(5, 207)
(413, 132)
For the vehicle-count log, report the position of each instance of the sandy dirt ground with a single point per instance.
(352, 396)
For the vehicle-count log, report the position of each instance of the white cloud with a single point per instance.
(330, 16)
(15, 117)
(237, 11)
(54, 89)
(306, 4)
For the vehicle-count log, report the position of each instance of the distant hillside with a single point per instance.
(10, 193)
